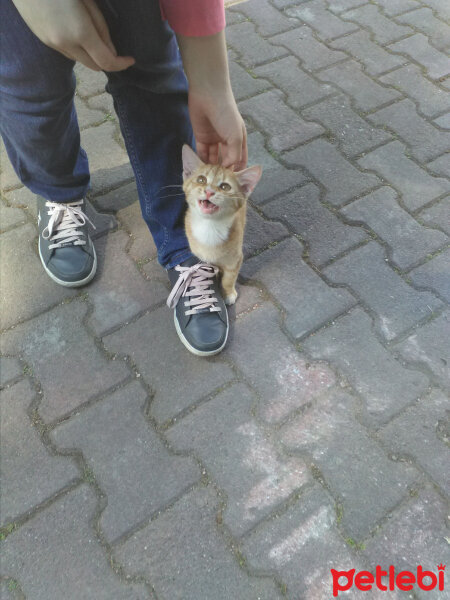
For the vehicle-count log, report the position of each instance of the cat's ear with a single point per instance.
(191, 161)
(248, 178)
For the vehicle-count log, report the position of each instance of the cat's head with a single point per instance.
(214, 191)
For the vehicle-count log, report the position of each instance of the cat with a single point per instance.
(216, 213)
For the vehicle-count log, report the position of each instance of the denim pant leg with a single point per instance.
(150, 99)
(38, 122)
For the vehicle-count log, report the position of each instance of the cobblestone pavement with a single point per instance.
(319, 438)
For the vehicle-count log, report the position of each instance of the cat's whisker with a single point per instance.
(171, 195)
(168, 186)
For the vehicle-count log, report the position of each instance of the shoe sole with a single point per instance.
(71, 283)
(194, 350)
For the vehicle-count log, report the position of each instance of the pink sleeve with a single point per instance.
(194, 17)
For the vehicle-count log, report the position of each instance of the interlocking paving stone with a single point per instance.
(63, 358)
(385, 385)
(430, 344)
(423, 19)
(440, 166)
(338, 6)
(312, 53)
(303, 213)
(10, 217)
(240, 457)
(432, 100)
(117, 199)
(87, 116)
(287, 75)
(397, 305)
(419, 49)
(301, 545)
(127, 458)
(89, 82)
(443, 121)
(316, 15)
(30, 474)
(283, 126)
(117, 299)
(374, 58)
(259, 232)
(395, 7)
(76, 565)
(340, 178)
(10, 369)
(416, 433)
(441, 7)
(268, 20)
(416, 535)
(184, 556)
(142, 246)
(409, 241)
(292, 381)
(244, 84)
(8, 179)
(438, 215)
(308, 301)
(415, 184)
(33, 292)
(434, 274)
(103, 102)
(424, 140)
(177, 377)
(369, 485)
(365, 93)
(275, 179)
(383, 29)
(251, 47)
(352, 134)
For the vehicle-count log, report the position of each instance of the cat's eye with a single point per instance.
(226, 187)
(201, 179)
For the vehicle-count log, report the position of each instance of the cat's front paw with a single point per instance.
(231, 298)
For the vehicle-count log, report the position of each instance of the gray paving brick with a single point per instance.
(370, 485)
(129, 461)
(320, 19)
(384, 384)
(301, 546)
(415, 535)
(416, 434)
(116, 298)
(291, 382)
(10, 370)
(409, 241)
(430, 345)
(287, 75)
(434, 274)
(352, 134)
(396, 7)
(142, 246)
(244, 84)
(233, 17)
(283, 126)
(89, 83)
(383, 29)
(307, 299)
(184, 556)
(8, 179)
(440, 166)
(366, 94)
(443, 121)
(33, 292)
(194, 378)
(416, 186)
(424, 140)
(419, 49)
(103, 102)
(374, 58)
(64, 359)
(76, 566)
(441, 7)
(10, 217)
(87, 116)
(240, 457)
(338, 6)
(312, 53)
(251, 47)
(432, 100)
(275, 179)
(303, 213)
(30, 474)
(436, 30)
(259, 233)
(340, 178)
(268, 20)
(117, 199)
(438, 215)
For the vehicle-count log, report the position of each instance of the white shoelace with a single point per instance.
(63, 223)
(195, 282)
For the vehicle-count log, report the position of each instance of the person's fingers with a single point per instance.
(203, 151)
(78, 54)
(213, 154)
(102, 55)
(232, 152)
(100, 24)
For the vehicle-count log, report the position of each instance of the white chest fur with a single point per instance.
(211, 232)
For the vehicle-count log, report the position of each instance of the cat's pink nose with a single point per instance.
(209, 193)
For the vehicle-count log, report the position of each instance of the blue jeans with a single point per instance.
(39, 124)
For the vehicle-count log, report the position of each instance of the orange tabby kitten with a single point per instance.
(215, 219)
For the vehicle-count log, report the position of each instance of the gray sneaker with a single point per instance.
(66, 250)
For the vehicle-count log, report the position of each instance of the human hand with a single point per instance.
(75, 28)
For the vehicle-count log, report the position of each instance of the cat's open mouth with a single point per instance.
(207, 207)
